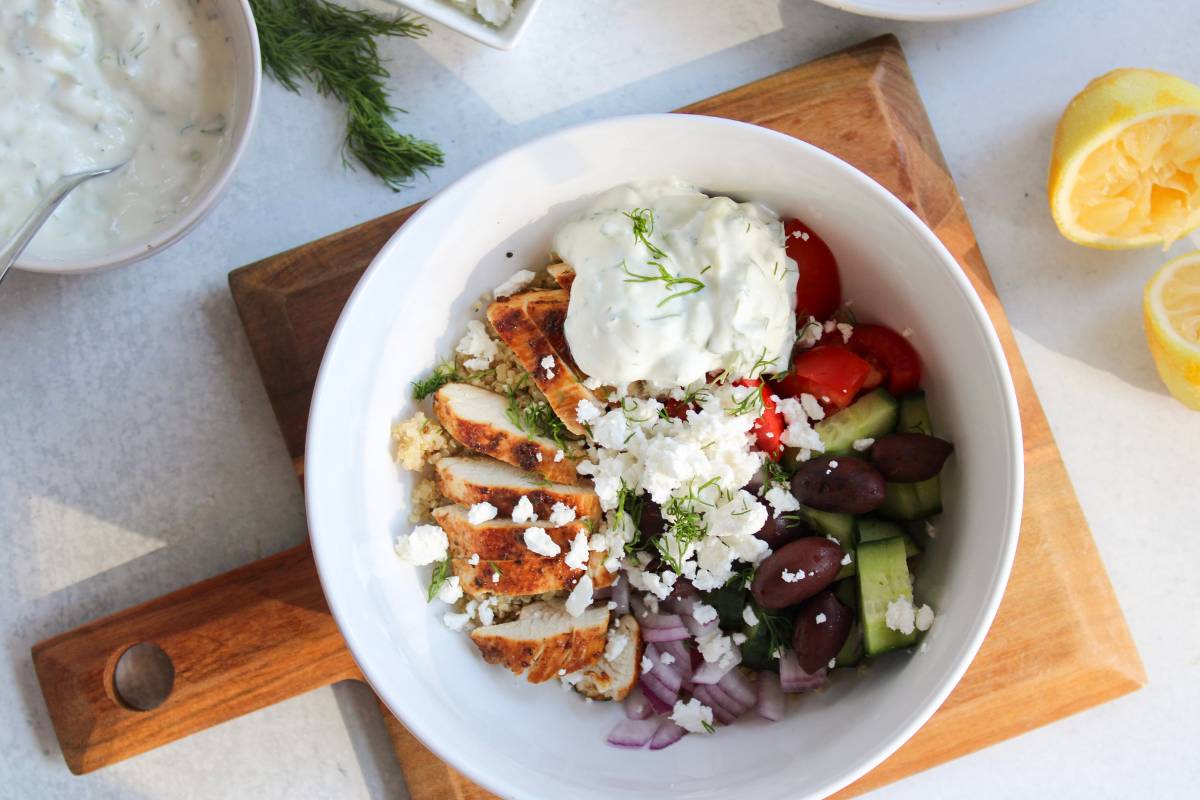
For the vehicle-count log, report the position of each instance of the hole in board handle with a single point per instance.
(143, 677)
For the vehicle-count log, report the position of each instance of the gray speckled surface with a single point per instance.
(138, 453)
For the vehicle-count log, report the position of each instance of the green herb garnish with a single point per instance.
(669, 281)
(752, 403)
(334, 49)
(643, 227)
(708, 726)
(442, 374)
(441, 573)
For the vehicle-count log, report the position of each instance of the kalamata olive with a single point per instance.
(796, 572)
(778, 531)
(651, 524)
(910, 457)
(821, 629)
(842, 484)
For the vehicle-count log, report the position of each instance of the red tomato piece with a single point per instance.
(818, 289)
(675, 408)
(833, 375)
(891, 353)
(768, 428)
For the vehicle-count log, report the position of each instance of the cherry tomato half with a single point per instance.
(833, 375)
(818, 289)
(890, 353)
(768, 428)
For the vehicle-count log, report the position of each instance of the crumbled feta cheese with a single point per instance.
(781, 500)
(924, 618)
(455, 622)
(612, 605)
(738, 638)
(821, 619)
(538, 541)
(580, 597)
(586, 411)
(473, 560)
(812, 407)
(792, 577)
(810, 333)
(558, 456)
(481, 513)
(832, 663)
(833, 464)
(799, 432)
(749, 616)
(547, 364)
(846, 330)
(577, 557)
(451, 590)
(516, 283)
(487, 611)
(523, 511)
(561, 514)
(900, 615)
(717, 648)
(704, 613)
(425, 545)
(617, 642)
(692, 716)
(495, 575)
(862, 445)
(479, 348)
(539, 457)
(847, 560)
(667, 659)
(647, 663)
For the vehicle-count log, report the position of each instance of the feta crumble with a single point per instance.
(812, 407)
(704, 613)
(481, 513)
(558, 456)
(516, 283)
(667, 659)
(523, 511)
(617, 642)
(580, 597)
(647, 663)
(925, 617)
(749, 616)
(586, 411)
(862, 445)
(577, 557)
(455, 622)
(561, 514)
(821, 618)
(781, 500)
(903, 617)
(538, 541)
(425, 545)
(479, 348)
(846, 330)
(451, 590)
(792, 577)
(473, 560)
(692, 716)
(547, 364)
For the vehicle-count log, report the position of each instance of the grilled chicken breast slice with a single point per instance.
(498, 539)
(563, 275)
(479, 420)
(477, 480)
(614, 679)
(545, 639)
(544, 354)
(526, 575)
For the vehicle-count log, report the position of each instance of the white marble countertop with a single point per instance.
(138, 452)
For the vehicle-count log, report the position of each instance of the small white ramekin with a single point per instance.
(502, 38)
(243, 36)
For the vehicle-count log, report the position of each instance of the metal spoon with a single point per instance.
(24, 235)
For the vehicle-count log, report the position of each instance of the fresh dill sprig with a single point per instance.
(334, 49)
(708, 726)
(773, 472)
(643, 227)
(686, 527)
(441, 573)
(535, 417)
(442, 374)
(669, 281)
(752, 403)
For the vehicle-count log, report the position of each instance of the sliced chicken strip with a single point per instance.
(525, 576)
(499, 539)
(477, 480)
(544, 640)
(563, 275)
(613, 679)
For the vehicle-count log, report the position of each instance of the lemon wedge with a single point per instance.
(1171, 306)
(1126, 165)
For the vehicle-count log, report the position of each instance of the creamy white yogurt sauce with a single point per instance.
(672, 284)
(89, 83)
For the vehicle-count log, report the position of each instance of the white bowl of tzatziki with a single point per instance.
(170, 86)
(437, 277)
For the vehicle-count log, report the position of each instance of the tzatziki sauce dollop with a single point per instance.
(671, 284)
(85, 85)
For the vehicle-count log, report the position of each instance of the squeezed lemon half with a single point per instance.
(1171, 307)
(1126, 165)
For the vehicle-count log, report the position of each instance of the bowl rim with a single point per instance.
(959, 10)
(506, 37)
(160, 239)
(352, 625)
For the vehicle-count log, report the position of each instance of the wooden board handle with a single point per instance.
(238, 642)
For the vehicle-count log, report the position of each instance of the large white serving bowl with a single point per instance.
(410, 309)
(927, 10)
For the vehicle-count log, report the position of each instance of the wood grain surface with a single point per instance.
(860, 104)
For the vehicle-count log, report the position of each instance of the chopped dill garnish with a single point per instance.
(752, 403)
(669, 281)
(761, 364)
(643, 227)
(442, 374)
(334, 49)
(686, 527)
(441, 573)
(779, 631)
(496, 571)
(773, 472)
(536, 417)
(708, 726)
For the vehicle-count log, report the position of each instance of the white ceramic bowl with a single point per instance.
(503, 38)
(243, 36)
(410, 309)
(927, 10)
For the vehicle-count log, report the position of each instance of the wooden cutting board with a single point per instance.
(263, 633)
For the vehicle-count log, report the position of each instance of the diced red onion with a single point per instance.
(738, 686)
(620, 595)
(661, 698)
(667, 673)
(668, 733)
(770, 696)
(710, 672)
(719, 712)
(795, 680)
(661, 621)
(665, 634)
(633, 733)
(728, 701)
(637, 706)
(701, 629)
(682, 606)
(682, 655)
